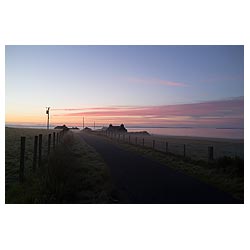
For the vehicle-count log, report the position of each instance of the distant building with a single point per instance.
(61, 127)
(117, 129)
(87, 129)
(74, 128)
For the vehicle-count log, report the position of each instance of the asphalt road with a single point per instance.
(139, 180)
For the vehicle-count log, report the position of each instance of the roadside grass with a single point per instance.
(225, 173)
(77, 174)
(74, 173)
(12, 151)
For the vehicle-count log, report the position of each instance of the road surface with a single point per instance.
(140, 180)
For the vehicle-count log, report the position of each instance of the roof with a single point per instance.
(120, 128)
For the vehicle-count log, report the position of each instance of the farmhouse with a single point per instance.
(117, 129)
(61, 127)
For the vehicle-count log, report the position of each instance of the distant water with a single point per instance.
(26, 126)
(194, 132)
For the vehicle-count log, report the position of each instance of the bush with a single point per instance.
(231, 165)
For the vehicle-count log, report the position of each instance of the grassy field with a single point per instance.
(225, 173)
(12, 150)
(196, 148)
(74, 172)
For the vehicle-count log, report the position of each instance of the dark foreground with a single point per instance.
(141, 180)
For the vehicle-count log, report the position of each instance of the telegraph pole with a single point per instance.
(47, 112)
(83, 122)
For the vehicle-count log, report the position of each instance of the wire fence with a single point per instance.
(34, 153)
(198, 149)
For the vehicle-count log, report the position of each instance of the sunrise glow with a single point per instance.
(196, 86)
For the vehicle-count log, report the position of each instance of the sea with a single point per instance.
(227, 133)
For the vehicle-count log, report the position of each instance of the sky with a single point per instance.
(197, 86)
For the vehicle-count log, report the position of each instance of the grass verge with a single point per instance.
(74, 173)
(225, 173)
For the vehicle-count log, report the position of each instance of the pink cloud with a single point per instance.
(217, 113)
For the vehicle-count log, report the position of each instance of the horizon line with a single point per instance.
(128, 126)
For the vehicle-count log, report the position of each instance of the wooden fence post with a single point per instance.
(184, 150)
(210, 153)
(49, 142)
(166, 147)
(35, 153)
(22, 152)
(57, 139)
(40, 150)
(54, 140)
(153, 144)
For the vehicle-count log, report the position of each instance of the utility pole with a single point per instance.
(83, 122)
(47, 112)
(94, 125)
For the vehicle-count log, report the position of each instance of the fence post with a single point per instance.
(35, 153)
(40, 150)
(153, 144)
(49, 142)
(143, 142)
(184, 150)
(54, 140)
(210, 153)
(22, 152)
(166, 147)
(57, 139)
